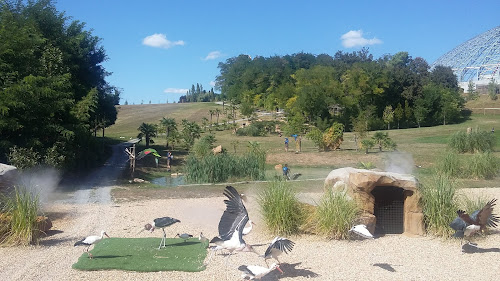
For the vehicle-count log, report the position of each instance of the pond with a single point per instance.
(169, 181)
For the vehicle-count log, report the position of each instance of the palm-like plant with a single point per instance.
(169, 125)
(380, 138)
(147, 131)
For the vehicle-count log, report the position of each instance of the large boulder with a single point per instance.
(359, 183)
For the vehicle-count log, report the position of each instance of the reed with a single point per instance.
(280, 208)
(19, 212)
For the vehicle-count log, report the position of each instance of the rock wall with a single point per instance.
(359, 183)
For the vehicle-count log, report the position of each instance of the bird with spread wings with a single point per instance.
(467, 225)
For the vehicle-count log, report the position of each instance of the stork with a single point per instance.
(247, 229)
(160, 223)
(257, 272)
(465, 225)
(203, 239)
(277, 247)
(184, 236)
(91, 240)
(231, 224)
(361, 231)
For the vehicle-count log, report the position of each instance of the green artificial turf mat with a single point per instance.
(142, 254)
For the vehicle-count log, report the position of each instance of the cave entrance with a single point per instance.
(388, 210)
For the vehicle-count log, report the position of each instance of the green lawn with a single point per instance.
(424, 145)
(142, 254)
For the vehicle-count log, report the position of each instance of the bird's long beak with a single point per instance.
(106, 234)
(278, 268)
(253, 223)
(140, 231)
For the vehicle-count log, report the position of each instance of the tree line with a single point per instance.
(54, 98)
(352, 89)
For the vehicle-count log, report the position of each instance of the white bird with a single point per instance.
(231, 224)
(184, 236)
(91, 240)
(160, 223)
(277, 247)
(203, 239)
(362, 231)
(257, 272)
(247, 229)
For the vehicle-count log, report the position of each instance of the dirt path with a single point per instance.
(86, 211)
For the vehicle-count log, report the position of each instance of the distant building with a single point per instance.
(476, 60)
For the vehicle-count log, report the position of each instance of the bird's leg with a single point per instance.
(164, 237)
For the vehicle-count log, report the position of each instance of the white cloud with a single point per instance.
(354, 38)
(175, 91)
(212, 83)
(159, 40)
(213, 55)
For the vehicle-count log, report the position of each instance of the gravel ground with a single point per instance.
(393, 257)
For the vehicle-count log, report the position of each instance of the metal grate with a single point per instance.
(389, 206)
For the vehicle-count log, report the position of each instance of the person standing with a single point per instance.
(286, 144)
(169, 159)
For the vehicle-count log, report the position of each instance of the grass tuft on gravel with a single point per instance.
(143, 255)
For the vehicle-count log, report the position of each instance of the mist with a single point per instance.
(399, 162)
(40, 181)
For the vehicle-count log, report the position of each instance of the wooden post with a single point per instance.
(131, 156)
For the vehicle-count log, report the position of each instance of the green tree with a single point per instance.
(169, 126)
(380, 138)
(147, 131)
(471, 91)
(190, 132)
(420, 111)
(493, 89)
(398, 113)
(388, 116)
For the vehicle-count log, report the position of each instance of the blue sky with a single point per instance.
(158, 49)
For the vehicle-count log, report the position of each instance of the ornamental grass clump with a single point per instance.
(439, 204)
(335, 214)
(280, 208)
(18, 225)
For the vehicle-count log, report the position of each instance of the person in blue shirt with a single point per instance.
(286, 144)
(286, 172)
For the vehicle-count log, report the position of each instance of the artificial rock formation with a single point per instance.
(359, 183)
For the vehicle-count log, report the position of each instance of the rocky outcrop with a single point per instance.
(359, 183)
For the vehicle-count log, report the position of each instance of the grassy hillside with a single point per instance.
(420, 147)
(130, 117)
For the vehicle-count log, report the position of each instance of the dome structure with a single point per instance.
(476, 60)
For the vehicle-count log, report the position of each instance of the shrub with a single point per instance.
(23, 158)
(21, 208)
(439, 204)
(449, 164)
(335, 215)
(475, 141)
(257, 128)
(280, 208)
(482, 166)
(220, 167)
(334, 136)
(367, 144)
(316, 136)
